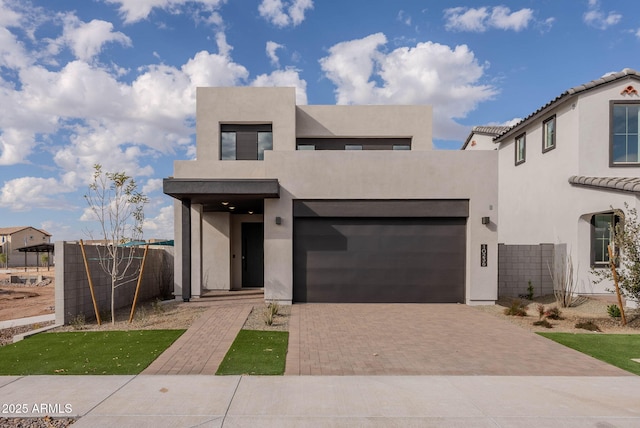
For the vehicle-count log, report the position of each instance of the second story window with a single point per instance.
(625, 138)
(521, 149)
(245, 142)
(549, 134)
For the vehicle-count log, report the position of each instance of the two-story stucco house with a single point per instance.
(331, 204)
(12, 239)
(564, 170)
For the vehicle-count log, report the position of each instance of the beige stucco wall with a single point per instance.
(416, 174)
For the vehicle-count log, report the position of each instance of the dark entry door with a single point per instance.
(252, 254)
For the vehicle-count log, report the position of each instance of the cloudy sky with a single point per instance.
(113, 81)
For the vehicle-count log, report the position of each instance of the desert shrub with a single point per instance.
(270, 313)
(540, 309)
(517, 308)
(614, 311)
(78, 322)
(543, 323)
(553, 313)
(587, 325)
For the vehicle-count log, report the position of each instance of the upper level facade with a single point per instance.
(238, 129)
(589, 130)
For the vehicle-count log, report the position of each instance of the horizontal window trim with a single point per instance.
(612, 164)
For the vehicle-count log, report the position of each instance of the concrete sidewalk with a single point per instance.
(377, 401)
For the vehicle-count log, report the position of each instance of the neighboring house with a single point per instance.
(564, 169)
(331, 204)
(14, 238)
(481, 137)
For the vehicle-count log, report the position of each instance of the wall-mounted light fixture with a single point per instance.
(278, 220)
(486, 220)
(250, 212)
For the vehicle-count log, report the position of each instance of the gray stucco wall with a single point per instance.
(519, 264)
(73, 296)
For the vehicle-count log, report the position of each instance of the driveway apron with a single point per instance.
(424, 339)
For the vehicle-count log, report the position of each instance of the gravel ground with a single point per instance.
(586, 309)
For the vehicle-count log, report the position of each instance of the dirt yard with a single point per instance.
(21, 300)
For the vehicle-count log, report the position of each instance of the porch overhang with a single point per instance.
(234, 195)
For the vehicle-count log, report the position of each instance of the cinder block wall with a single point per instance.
(73, 295)
(519, 264)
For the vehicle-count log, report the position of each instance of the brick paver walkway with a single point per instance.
(202, 347)
(423, 339)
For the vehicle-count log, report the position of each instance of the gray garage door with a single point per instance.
(379, 259)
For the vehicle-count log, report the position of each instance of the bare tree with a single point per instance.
(562, 275)
(117, 205)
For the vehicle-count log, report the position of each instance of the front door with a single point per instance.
(252, 254)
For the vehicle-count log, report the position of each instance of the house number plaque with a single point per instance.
(483, 255)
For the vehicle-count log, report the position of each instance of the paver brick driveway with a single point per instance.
(424, 339)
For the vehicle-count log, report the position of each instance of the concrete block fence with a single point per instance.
(519, 264)
(73, 295)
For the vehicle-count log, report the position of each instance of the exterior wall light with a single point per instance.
(486, 220)
(278, 220)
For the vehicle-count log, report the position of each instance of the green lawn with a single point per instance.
(91, 352)
(256, 353)
(615, 349)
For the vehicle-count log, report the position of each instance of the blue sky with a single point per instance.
(113, 81)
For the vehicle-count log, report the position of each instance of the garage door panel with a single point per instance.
(379, 260)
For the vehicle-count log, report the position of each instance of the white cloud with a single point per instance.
(483, 18)
(596, 18)
(503, 19)
(152, 185)
(271, 49)
(404, 18)
(137, 10)
(283, 14)
(12, 53)
(289, 77)
(466, 19)
(160, 226)
(26, 193)
(15, 146)
(86, 39)
(428, 73)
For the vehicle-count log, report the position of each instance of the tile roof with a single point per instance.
(621, 184)
(625, 73)
(493, 131)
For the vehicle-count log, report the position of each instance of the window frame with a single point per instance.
(594, 239)
(548, 147)
(612, 105)
(522, 137)
(226, 129)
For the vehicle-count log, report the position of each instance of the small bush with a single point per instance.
(78, 322)
(541, 312)
(554, 313)
(270, 313)
(517, 308)
(543, 323)
(614, 311)
(588, 325)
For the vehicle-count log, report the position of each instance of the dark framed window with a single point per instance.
(549, 134)
(354, 143)
(602, 229)
(521, 148)
(245, 142)
(624, 143)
